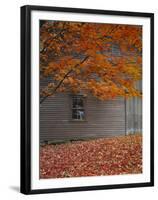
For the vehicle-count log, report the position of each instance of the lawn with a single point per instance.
(98, 157)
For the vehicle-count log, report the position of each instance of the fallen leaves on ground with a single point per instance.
(99, 157)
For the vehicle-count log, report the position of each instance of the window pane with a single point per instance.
(77, 102)
(78, 114)
(80, 102)
(74, 103)
(74, 114)
(81, 114)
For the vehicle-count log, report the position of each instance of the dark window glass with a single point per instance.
(78, 111)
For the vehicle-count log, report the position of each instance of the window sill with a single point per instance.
(78, 120)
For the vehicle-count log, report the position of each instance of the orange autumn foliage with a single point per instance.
(102, 59)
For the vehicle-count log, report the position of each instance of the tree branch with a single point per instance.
(62, 80)
(52, 38)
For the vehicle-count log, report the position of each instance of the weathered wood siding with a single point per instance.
(103, 119)
(134, 113)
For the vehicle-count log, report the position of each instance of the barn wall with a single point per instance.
(134, 113)
(103, 119)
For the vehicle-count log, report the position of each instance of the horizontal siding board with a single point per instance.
(134, 113)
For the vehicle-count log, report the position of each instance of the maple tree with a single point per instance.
(102, 59)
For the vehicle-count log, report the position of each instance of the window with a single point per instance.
(78, 110)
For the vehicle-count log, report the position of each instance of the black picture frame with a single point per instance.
(26, 98)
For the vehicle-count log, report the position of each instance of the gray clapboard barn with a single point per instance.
(70, 117)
